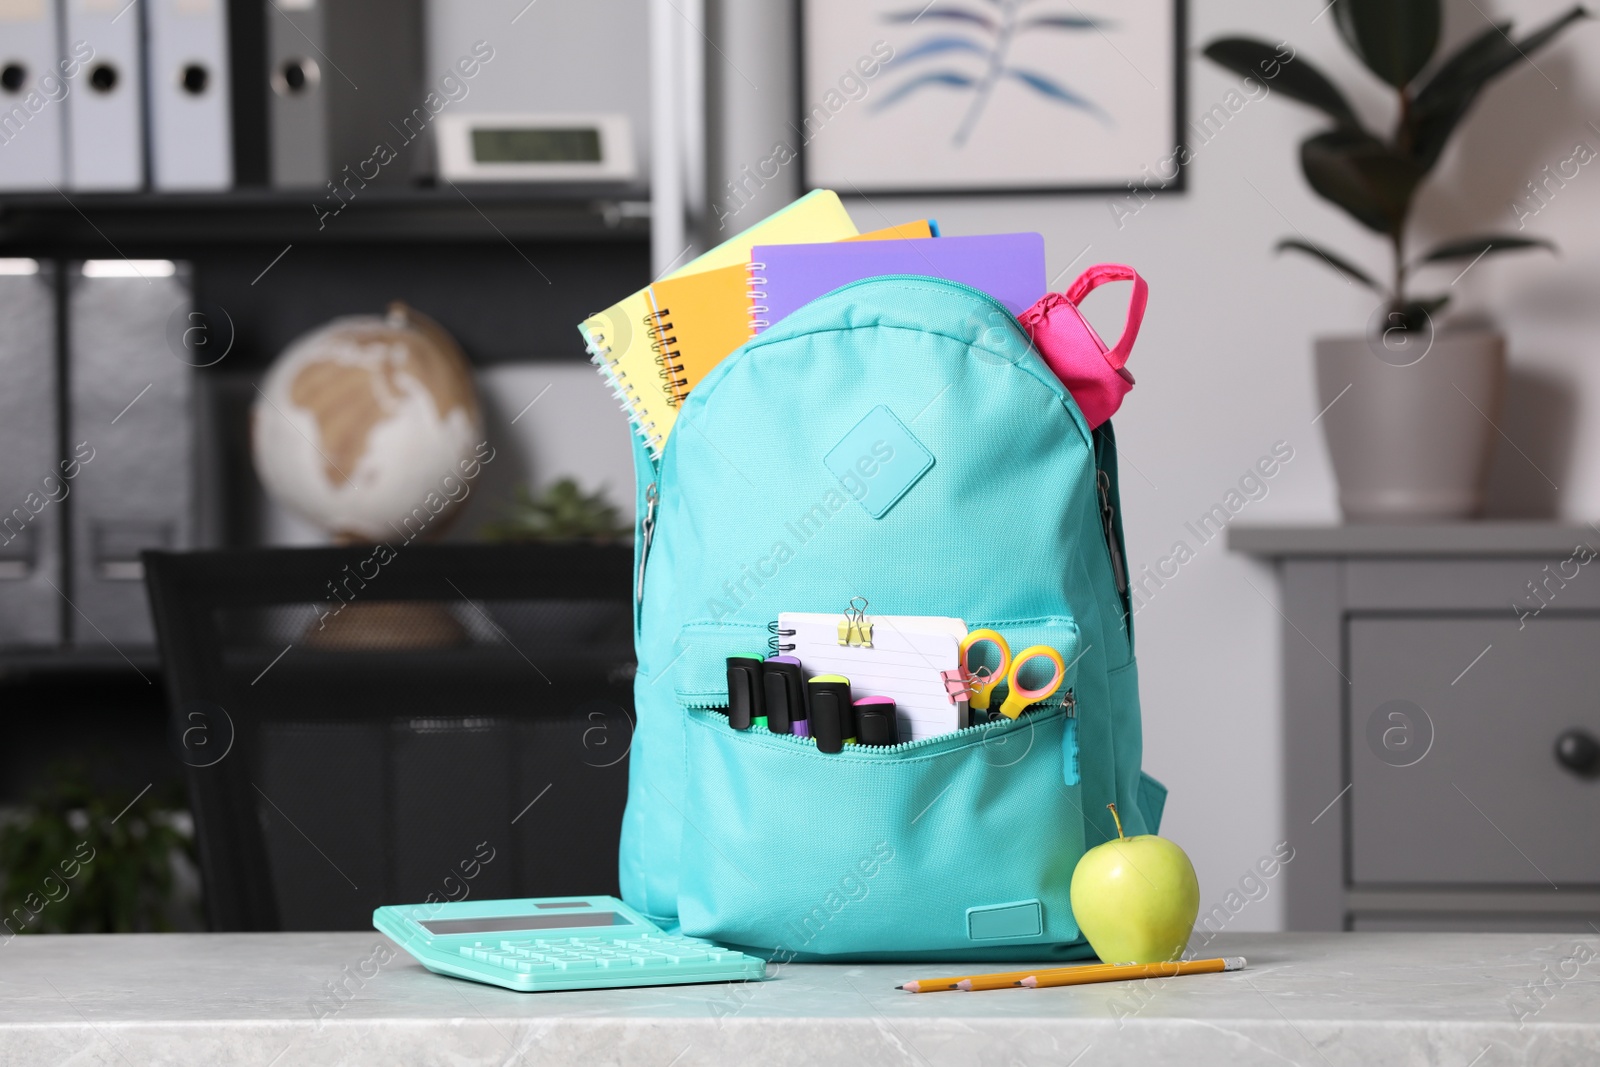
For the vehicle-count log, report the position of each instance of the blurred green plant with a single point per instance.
(1375, 179)
(563, 512)
(70, 864)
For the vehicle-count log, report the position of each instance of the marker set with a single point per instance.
(773, 694)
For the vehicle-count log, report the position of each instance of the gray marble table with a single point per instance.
(1322, 1000)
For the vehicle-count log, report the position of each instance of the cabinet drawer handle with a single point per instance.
(1578, 752)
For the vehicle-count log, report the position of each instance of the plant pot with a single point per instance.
(1411, 437)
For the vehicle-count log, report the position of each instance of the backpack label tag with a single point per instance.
(878, 461)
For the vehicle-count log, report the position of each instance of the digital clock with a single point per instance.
(536, 148)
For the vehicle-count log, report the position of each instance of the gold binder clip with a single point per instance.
(855, 628)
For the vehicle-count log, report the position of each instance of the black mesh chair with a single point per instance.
(364, 726)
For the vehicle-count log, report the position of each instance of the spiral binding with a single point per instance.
(775, 646)
(758, 311)
(617, 381)
(668, 359)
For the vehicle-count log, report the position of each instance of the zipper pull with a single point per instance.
(1070, 703)
(648, 527)
(1108, 517)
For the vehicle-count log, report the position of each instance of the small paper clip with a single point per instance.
(855, 628)
(956, 685)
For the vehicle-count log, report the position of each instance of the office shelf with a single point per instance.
(132, 661)
(507, 269)
(46, 224)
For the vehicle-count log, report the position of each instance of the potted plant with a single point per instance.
(80, 859)
(1410, 437)
(564, 512)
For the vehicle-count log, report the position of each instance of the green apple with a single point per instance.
(1135, 898)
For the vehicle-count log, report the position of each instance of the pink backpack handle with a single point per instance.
(1098, 275)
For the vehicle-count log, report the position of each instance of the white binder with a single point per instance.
(105, 122)
(191, 141)
(34, 489)
(32, 91)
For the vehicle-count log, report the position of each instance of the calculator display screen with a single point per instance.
(536, 146)
(494, 924)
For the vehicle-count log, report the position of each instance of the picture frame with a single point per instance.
(937, 97)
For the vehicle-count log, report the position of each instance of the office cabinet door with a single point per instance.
(1452, 734)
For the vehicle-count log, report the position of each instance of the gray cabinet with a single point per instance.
(1441, 709)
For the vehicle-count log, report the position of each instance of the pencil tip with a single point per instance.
(910, 987)
(1031, 982)
(965, 985)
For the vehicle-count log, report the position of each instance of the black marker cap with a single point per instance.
(833, 720)
(746, 700)
(785, 692)
(875, 722)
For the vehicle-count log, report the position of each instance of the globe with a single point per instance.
(359, 424)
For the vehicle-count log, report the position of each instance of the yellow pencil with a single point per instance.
(1134, 970)
(998, 980)
(1083, 974)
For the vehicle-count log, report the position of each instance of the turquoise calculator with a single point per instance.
(551, 943)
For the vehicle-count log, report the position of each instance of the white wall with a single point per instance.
(1224, 369)
(573, 429)
(550, 55)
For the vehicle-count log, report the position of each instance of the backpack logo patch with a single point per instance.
(878, 461)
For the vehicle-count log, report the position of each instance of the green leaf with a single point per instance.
(1394, 38)
(1483, 244)
(1362, 175)
(1295, 78)
(1338, 263)
(1440, 104)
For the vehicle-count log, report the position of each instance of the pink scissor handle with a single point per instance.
(1096, 276)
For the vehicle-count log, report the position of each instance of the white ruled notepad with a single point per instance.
(905, 662)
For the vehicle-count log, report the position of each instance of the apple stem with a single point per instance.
(1118, 820)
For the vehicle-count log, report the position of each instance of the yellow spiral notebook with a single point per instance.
(624, 340)
(697, 320)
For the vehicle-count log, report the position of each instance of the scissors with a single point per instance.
(1009, 672)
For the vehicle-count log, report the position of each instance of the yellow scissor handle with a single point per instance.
(983, 686)
(1018, 699)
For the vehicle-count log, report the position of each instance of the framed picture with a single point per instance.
(957, 96)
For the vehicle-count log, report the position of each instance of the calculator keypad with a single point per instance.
(581, 955)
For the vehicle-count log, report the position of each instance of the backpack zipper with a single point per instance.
(648, 530)
(997, 725)
(1108, 518)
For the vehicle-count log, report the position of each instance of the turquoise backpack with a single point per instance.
(995, 504)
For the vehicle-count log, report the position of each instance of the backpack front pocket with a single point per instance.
(956, 846)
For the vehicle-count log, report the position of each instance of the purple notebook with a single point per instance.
(1007, 266)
